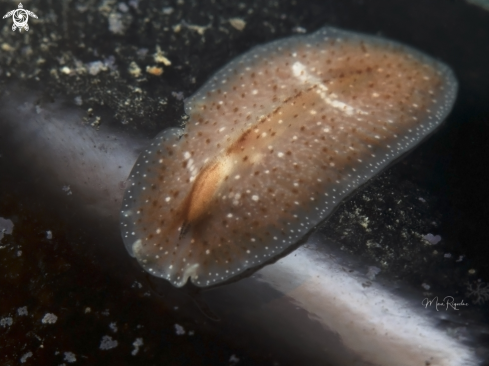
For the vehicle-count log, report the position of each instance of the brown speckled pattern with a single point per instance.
(275, 141)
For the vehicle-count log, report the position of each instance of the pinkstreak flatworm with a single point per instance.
(275, 141)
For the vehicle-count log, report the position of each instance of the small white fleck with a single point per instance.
(6, 322)
(167, 199)
(70, 357)
(113, 327)
(49, 319)
(432, 239)
(255, 197)
(137, 343)
(280, 154)
(179, 329)
(108, 343)
(25, 356)
(233, 359)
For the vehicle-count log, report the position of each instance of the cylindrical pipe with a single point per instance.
(307, 303)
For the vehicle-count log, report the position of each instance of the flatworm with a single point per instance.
(275, 141)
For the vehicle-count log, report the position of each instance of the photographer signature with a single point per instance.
(448, 302)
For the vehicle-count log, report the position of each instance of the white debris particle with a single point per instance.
(237, 23)
(95, 67)
(19, 253)
(178, 95)
(197, 28)
(234, 359)
(6, 322)
(300, 30)
(88, 310)
(49, 319)
(432, 239)
(167, 10)
(179, 329)
(123, 7)
(108, 343)
(134, 69)
(142, 52)
(6, 227)
(70, 357)
(116, 23)
(66, 70)
(67, 189)
(422, 199)
(22, 311)
(372, 272)
(160, 58)
(191, 332)
(137, 343)
(106, 312)
(460, 258)
(49, 234)
(113, 327)
(78, 100)
(448, 255)
(136, 284)
(25, 356)
(425, 286)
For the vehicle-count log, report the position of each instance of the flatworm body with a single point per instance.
(275, 141)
